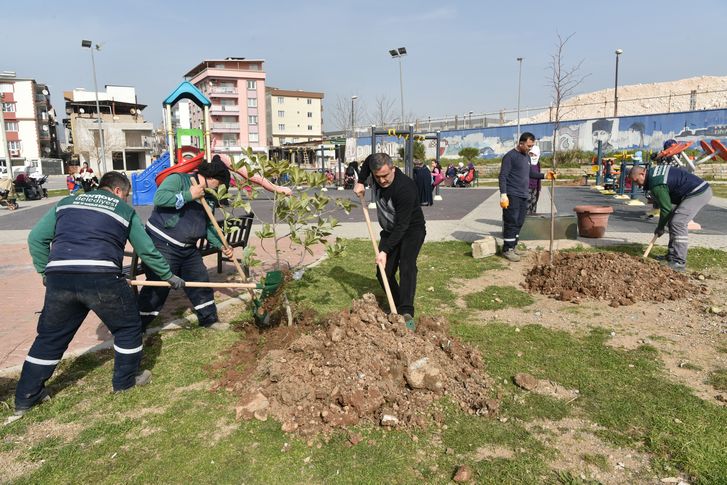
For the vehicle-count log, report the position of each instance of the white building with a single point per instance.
(128, 139)
(293, 116)
(29, 120)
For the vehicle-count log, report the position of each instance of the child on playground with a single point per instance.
(72, 185)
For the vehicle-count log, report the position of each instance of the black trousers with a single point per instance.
(404, 259)
(68, 299)
(187, 264)
(513, 219)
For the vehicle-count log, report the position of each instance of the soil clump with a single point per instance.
(618, 278)
(363, 366)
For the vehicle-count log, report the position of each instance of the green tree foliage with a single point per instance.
(469, 153)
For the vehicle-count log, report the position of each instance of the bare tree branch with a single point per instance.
(383, 111)
(564, 81)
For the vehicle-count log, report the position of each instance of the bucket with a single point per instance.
(592, 220)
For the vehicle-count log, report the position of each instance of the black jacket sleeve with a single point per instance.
(405, 200)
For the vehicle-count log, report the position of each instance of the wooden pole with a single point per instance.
(382, 269)
(194, 284)
(211, 217)
(650, 246)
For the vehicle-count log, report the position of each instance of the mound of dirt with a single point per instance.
(363, 366)
(619, 278)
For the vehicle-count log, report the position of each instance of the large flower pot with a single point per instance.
(592, 220)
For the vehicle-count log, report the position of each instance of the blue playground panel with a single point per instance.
(143, 185)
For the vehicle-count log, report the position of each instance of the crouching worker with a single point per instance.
(78, 248)
(680, 195)
(177, 222)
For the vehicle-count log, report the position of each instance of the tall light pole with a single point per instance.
(398, 54)
(99, 120)
(615, 85)
(470, 113)
(519, 79)
(353, 116)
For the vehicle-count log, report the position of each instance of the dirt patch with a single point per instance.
(618, 278)
(585, 455)
(362, 366)
(492, 453)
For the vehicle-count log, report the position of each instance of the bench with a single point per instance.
(236, 238)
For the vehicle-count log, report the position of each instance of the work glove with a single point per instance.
(504, 201)
(176, 282)
(551, 175)
(659, 232)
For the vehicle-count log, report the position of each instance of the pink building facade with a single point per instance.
(236, 88)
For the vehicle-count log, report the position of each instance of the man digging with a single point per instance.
(403, 227)
(680, 195)
(78, 248)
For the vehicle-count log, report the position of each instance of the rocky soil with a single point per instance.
(363, 366)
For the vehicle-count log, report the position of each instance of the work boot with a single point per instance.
(21, 411)
(678, 267)
(219, 326)
(143, 378)
(409, 322)
(511, 255)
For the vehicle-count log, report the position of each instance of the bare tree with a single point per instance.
(383, 111)
(563, 80)
(342, 110)
(341, 114)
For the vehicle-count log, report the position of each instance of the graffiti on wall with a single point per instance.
(646, 132)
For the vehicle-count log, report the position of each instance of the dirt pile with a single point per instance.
(365, 367)
(615, 277)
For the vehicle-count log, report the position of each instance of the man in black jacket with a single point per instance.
(402, 224)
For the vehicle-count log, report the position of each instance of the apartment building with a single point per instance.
(29, 119)
(128, 139)
(293, 116)
(236, 88)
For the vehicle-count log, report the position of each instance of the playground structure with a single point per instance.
(184, 158)
(614, 181)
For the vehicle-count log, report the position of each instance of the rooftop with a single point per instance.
(231, 63)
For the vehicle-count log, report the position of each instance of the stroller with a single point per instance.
(7, 194)
(31, 186)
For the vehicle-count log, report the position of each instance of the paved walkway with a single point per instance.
(464, 214)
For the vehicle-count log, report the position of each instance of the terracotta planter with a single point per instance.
(592, 220)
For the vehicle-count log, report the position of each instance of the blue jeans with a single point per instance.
(68, 299)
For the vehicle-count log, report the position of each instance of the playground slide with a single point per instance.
(186, 166)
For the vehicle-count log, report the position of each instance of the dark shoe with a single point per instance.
(22, 411)
(662, 258)
(510, 255)
(678, 267)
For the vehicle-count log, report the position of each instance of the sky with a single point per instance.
(461, 54)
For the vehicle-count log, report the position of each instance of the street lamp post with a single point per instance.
(353, 117)
(398, 54)
(99, 120)
(519, 79)
(615, 85)
(470, 113)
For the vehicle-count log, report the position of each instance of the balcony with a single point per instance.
(221, 109)
(224, 91)
(226, 127)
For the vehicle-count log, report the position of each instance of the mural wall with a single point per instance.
(647, 132)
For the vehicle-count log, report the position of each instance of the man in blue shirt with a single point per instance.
(514, 191)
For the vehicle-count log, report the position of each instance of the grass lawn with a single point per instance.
(178, 431)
